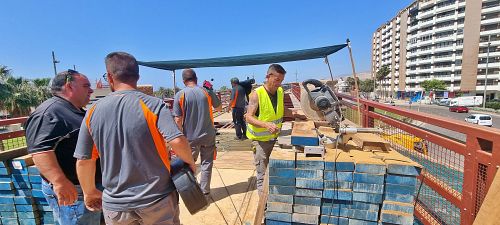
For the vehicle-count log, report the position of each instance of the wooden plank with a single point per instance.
(307, 209)
(316, 184)
(367, 197)
(279, 207)
(282, 158)
(369, 141)
(310, 162)
(338, 194)
(304, 134)
(368, 188)
(368, 162)
(395, 217)
(489, 213)
(304, 218)
(398, 206)
(399, 164)
(8, 155)
(339, 160)
(259, 214)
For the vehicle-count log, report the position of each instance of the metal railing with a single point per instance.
(457, 173)
(12, 138)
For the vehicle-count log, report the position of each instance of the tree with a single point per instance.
(19, 95)
(163, 92)
(366, 85)
(350, 81)
(223, 88)
(382, 74)
(432, 85)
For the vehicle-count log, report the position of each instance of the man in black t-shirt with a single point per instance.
(51, 134)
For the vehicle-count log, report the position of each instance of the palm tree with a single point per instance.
(382, 74)
(19, 95)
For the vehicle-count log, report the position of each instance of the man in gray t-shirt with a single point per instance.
(193, 114)
(128, 131)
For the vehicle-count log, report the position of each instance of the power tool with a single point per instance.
(324, 100)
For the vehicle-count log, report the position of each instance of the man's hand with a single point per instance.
(65, 192)
(93, 200)
(272, 128)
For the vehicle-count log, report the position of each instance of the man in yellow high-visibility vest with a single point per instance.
(264, 117)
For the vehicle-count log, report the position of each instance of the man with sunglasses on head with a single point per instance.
(51, 135)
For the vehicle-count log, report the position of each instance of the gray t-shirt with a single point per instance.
(192, 104)
(238, 96)
(127, 130)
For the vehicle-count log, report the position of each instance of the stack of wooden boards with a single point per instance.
(346, 187)
(21, 197)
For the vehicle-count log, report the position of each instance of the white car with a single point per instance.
(480, 119)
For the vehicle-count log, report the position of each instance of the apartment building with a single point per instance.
(441, 39)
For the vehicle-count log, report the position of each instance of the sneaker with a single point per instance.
(237, 139)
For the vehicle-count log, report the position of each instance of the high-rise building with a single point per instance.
(440, 39)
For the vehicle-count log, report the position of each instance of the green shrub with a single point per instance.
(493, 105)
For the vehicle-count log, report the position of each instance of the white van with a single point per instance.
(480, 119)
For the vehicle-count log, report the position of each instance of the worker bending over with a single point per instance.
(193, 111)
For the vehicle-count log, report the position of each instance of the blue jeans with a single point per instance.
(72, 214)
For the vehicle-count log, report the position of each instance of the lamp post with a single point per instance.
(486, 72)
(54, 61)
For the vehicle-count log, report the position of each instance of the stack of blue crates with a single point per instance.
(21, 196)
(44, 210)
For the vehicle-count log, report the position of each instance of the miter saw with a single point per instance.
(322, 99)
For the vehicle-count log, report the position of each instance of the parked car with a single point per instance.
(480, 119)
(390, 103)
(459, 109)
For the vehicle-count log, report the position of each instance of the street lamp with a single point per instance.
(486, 72)
(54, 61)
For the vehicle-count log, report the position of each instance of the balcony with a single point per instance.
(446, 18)
(443, 59)
(492, 9)
(490, 32)
(490, 21)
(445, 8)
(490, 65)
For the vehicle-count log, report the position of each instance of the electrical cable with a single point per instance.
(228, 194)
(220, 211)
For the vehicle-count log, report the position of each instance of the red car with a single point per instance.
(459, 109)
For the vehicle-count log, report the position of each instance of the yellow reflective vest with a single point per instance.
(267, 114)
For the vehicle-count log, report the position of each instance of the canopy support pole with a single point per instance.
(355, 81)
(329, 68)
(175, 89)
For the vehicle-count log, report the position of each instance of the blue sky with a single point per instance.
(82, 32)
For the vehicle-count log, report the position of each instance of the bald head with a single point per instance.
(188, 75)
(122, 67)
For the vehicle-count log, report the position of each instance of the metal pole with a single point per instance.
(486, 72)
(74, 67)
(54, 61)
(175, 89)
(329, 68)
(355, 80)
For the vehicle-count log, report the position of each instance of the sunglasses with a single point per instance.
(69, 75)
(105, 77)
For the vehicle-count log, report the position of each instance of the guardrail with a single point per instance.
(457, 173)
(12, 139)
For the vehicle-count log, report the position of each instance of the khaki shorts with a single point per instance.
(163, 212)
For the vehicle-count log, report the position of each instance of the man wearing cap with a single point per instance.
(238, 104)
(51, 135)
(194, 115)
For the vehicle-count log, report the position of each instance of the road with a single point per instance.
(444, 112)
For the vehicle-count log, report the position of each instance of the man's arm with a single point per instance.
(86, 168)
(183, 151)
(216, 103)
(177, 111)
(47, 163)
(86, 155)
(253, 104)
